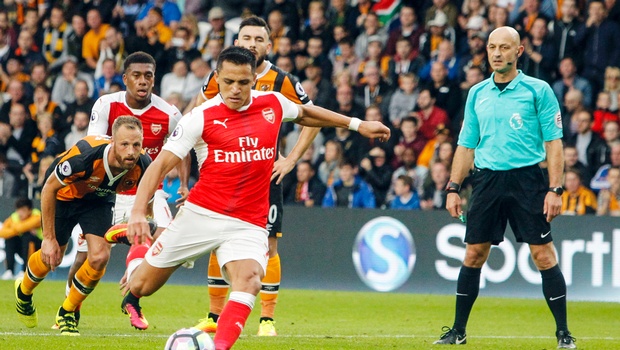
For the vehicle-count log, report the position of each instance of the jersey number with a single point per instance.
(273, 214)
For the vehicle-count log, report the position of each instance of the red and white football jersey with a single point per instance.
(158, 119)
(235, 150)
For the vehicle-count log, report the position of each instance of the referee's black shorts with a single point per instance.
(516, 196)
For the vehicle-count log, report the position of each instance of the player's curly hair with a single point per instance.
(138, 57)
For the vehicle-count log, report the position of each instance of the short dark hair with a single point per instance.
(414, 120)
(255, 21)
(407, 180)
(431, 92)
(306, 162)
(404, 38)
(347, 40)
(347, 161)
(30, 9)
(43, 87)
(238, 56)
(23, 202)
(138, 57)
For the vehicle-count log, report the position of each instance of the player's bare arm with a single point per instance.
(138, 227)
(555, 164)
(284, 165)
(316, 116)
(462, 163)
(51, 254)
(184, 169)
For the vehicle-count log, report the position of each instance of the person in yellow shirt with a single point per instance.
(156, 26)
(22, 234)
(92, 38)
(577, 199)
(431, 150)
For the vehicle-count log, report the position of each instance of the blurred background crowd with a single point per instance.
(409, 64)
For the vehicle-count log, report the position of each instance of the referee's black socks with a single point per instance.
(554, 290)
(467, 289)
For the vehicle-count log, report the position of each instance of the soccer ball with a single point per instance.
(189, 339)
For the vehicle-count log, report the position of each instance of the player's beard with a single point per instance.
(260, 59)
(124, 162)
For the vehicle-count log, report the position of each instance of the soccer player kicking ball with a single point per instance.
(254, 35)
(226, 211)
(80, 189)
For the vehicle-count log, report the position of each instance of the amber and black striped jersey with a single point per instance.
(271, 78)
(86, 174)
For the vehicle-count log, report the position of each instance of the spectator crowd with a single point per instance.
(411, 69)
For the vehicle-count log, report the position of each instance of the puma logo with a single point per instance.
(216, 122)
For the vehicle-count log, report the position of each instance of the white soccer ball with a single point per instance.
(189, 339)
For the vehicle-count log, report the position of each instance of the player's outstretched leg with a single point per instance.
(218, 289)
(269, 297)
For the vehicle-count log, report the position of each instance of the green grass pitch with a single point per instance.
(311, 320)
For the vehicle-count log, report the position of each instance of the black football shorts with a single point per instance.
(516, 196)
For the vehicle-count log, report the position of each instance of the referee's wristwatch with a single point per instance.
(453, 187)
(556, 190)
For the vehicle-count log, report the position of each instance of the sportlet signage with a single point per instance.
(415, 252)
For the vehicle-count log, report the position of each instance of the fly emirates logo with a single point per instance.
(248, 152)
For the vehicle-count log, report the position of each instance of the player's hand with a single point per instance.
(453, 205)
(184, 192)
(281, 167)
(553, 206)
(51, 253)
(138, 230)
(374, 130)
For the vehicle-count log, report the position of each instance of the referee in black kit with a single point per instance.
(512, 123)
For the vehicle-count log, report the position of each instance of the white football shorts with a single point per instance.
(196, 231)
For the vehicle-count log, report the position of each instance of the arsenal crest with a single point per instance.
(269, 115)
(155, 128)
(157, 248)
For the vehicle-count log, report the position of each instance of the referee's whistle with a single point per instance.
(463, 218)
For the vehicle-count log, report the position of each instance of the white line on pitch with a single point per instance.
(357, 336)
